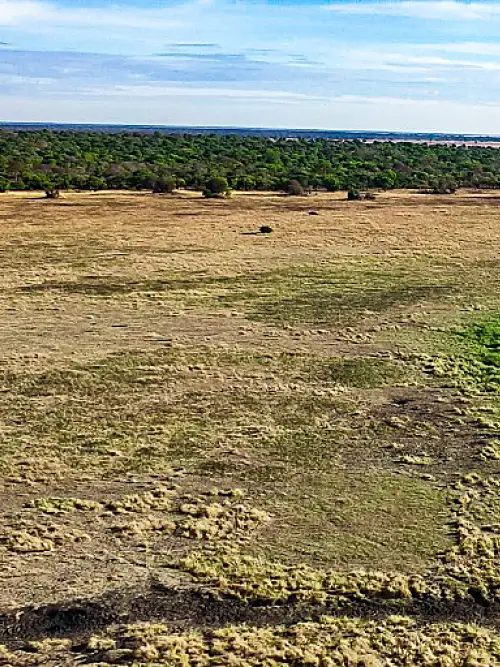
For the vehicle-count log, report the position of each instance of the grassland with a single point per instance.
(225, 448)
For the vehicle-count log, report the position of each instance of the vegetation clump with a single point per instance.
(159, 499)
(164, 185)
(216, 187)
(491, 451)
(295, 188)
(27, 536)
(328, 642)
(219, 520)
(64, 505)
(219, 515)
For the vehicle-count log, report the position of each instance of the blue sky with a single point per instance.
(421, 65)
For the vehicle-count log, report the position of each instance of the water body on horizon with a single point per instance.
(276, 133)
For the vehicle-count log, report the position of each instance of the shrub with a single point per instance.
(4, 185)
(331, 183)
(443, 190)
(217, 186)
(164, 185)
(294, 188)
(443, 187)
(96, 183)
(354, 195)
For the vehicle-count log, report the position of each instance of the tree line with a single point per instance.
(51, 160)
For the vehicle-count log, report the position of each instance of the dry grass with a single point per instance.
(152, 349)
(328, 643)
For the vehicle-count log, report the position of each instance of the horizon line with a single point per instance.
(242, 128)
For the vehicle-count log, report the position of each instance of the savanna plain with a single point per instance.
(223, 447)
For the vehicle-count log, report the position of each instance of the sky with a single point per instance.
(394, 65)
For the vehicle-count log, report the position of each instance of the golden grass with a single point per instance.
(152, 349)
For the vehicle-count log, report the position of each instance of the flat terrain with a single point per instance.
(284, 418)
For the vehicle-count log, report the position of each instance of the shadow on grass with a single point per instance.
(205, 609)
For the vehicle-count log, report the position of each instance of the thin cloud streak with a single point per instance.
(449, 10)
(182, 91)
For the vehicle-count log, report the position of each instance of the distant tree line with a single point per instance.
(52, 160)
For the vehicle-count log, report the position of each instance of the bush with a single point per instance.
(443, 187)
(164, 185)
(331, 183)
(438, 190)
(217, 186)
(4, 185)
(353, 195)
(294, 188)
(443, 190)
(96, 183)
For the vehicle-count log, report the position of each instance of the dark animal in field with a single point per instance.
(265, 229)
(313, 213)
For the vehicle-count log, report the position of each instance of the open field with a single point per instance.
(203, 426)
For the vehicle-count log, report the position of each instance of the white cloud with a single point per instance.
(469, 48)
(344, 112)
(17, 80)
(204, 91)
(452, 10)
(441, 63)
(21, 13)
(343, 73)
(18, 11)
(381, 100)
(406, 61)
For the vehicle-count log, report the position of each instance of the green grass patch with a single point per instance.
(326, 294)
(336, 295)
(342, 518)
(144, 411)
(280, 425)
(472, 360)
(483, 344)
(361, 372)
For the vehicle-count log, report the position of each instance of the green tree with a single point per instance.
(217, 186)
(164, 185)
